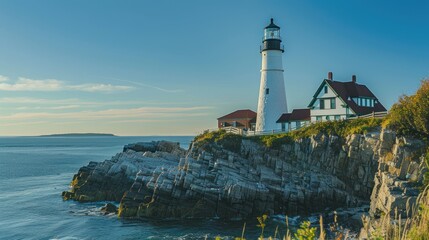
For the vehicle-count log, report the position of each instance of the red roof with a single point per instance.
(348, 90)
(295, 115)
(245, 113)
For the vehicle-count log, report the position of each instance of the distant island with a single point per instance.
(80, 135)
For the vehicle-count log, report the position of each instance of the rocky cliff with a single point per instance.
(398, 184)
(160, 179)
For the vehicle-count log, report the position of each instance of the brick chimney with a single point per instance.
(354, 78)
(330, 76)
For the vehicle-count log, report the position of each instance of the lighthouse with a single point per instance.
(272, 95)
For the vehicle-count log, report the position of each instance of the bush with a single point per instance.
(410, 115)
(305, 232)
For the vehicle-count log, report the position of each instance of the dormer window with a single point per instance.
(365, 102)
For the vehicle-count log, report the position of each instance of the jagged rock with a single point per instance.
(398, 181)
(109, 208)
(110, 179)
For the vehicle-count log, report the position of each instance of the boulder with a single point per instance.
(109, 208)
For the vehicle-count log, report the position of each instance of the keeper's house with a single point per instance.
(335, 100)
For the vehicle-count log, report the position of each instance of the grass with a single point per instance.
(305, 232)
(337, 128)
(229, 141)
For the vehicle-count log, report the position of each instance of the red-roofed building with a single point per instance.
(335, 100)
(243, 119)
(294, 120)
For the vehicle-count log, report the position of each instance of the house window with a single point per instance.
(267, 91)
(319, 118)
(322, 103)
(333, 103)
(283, 127)
(298, 124)
(328, 118)
(326, 89)
(337, 117)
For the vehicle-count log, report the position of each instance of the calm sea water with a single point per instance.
(34, 171)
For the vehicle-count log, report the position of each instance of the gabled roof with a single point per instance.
(245, 113)
(348, 90)
(295, 115)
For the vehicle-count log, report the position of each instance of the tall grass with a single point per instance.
(305, 232)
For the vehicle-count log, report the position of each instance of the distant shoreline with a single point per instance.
(79, 135)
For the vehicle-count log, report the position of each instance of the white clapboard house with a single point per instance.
(335, 100)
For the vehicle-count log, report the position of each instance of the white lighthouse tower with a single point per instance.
(272, 95)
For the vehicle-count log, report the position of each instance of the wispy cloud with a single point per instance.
(115, 114)
(99, 87)
(30, 102)
(62, 107)
(149, 86)
(3, 78)
(27, 84)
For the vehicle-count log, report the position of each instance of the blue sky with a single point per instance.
(173, 67)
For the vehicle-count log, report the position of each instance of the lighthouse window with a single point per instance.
(267, 91)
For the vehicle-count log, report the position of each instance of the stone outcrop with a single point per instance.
(397, 183)
(160, 179)
(110, 179)
(399, 177)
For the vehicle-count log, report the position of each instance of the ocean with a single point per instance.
(35, 170)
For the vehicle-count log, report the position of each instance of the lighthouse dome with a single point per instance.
(272, 25)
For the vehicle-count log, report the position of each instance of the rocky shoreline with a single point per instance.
(315, 174)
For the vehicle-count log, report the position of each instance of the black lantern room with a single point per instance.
(272, 39)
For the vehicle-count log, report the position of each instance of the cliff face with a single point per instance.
(397, 186)
(161, 180)
(303, 177)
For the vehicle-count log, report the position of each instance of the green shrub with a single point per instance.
(305, 232)
(410, 115)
